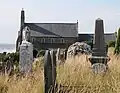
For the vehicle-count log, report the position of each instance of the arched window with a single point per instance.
(62, 40)
(52, 40)
(49, 40)
(42, 40)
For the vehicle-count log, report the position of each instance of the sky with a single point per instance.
(85, 11)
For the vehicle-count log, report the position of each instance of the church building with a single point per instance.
(54, 35)
(48, 35)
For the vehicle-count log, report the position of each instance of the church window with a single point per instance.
(43, 40)
(52, 40)
(62, 40)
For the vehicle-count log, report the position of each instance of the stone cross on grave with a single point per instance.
(99, 56)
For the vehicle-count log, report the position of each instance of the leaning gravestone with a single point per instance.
(26, 54)
(99, 56)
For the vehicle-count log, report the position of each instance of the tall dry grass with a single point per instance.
(75, 75)
(32, 83)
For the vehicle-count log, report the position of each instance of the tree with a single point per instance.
(117, 45)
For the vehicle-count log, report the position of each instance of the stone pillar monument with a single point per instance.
(99, 56)
(99, 41)
(26, 54)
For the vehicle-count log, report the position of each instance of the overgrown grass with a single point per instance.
(32, 83)
(75, 75)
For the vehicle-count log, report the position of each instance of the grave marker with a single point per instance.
(26, 54)
(99, 56)
(49, 71)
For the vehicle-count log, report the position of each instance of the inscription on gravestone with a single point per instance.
(26, 57)
(99, 68)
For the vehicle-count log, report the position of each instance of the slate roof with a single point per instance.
(53, 29)
(89, 37)
(110, 37)
(85, 37)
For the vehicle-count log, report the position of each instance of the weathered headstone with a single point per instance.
(78, 48)
(61, 56)
(49, 71)
(26, 54)
(9, 66)
(66, 53)
(99, 68)
(99, 56)
(53, 60)
(57, 54)
(54, 73)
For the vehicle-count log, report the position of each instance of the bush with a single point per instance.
(111, 44)
(41, 53)
(11, 59)
(117, 44)
(89, 43)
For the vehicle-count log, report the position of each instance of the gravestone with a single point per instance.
(9, 66)
(99, 56)
(57, 54)
(49, 71)
(26, 54)
(99, 40)
(99, 68)
(53, 60)
(61, 56)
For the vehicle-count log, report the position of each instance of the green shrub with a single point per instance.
(117, 44)
(41, 53)
(10, 57)
(111, 43)
(89, 43)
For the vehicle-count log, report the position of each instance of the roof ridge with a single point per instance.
(49, 23)
(93, 33)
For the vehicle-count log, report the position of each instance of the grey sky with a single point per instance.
(86, 11)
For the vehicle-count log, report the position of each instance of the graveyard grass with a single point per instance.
(76, 77)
